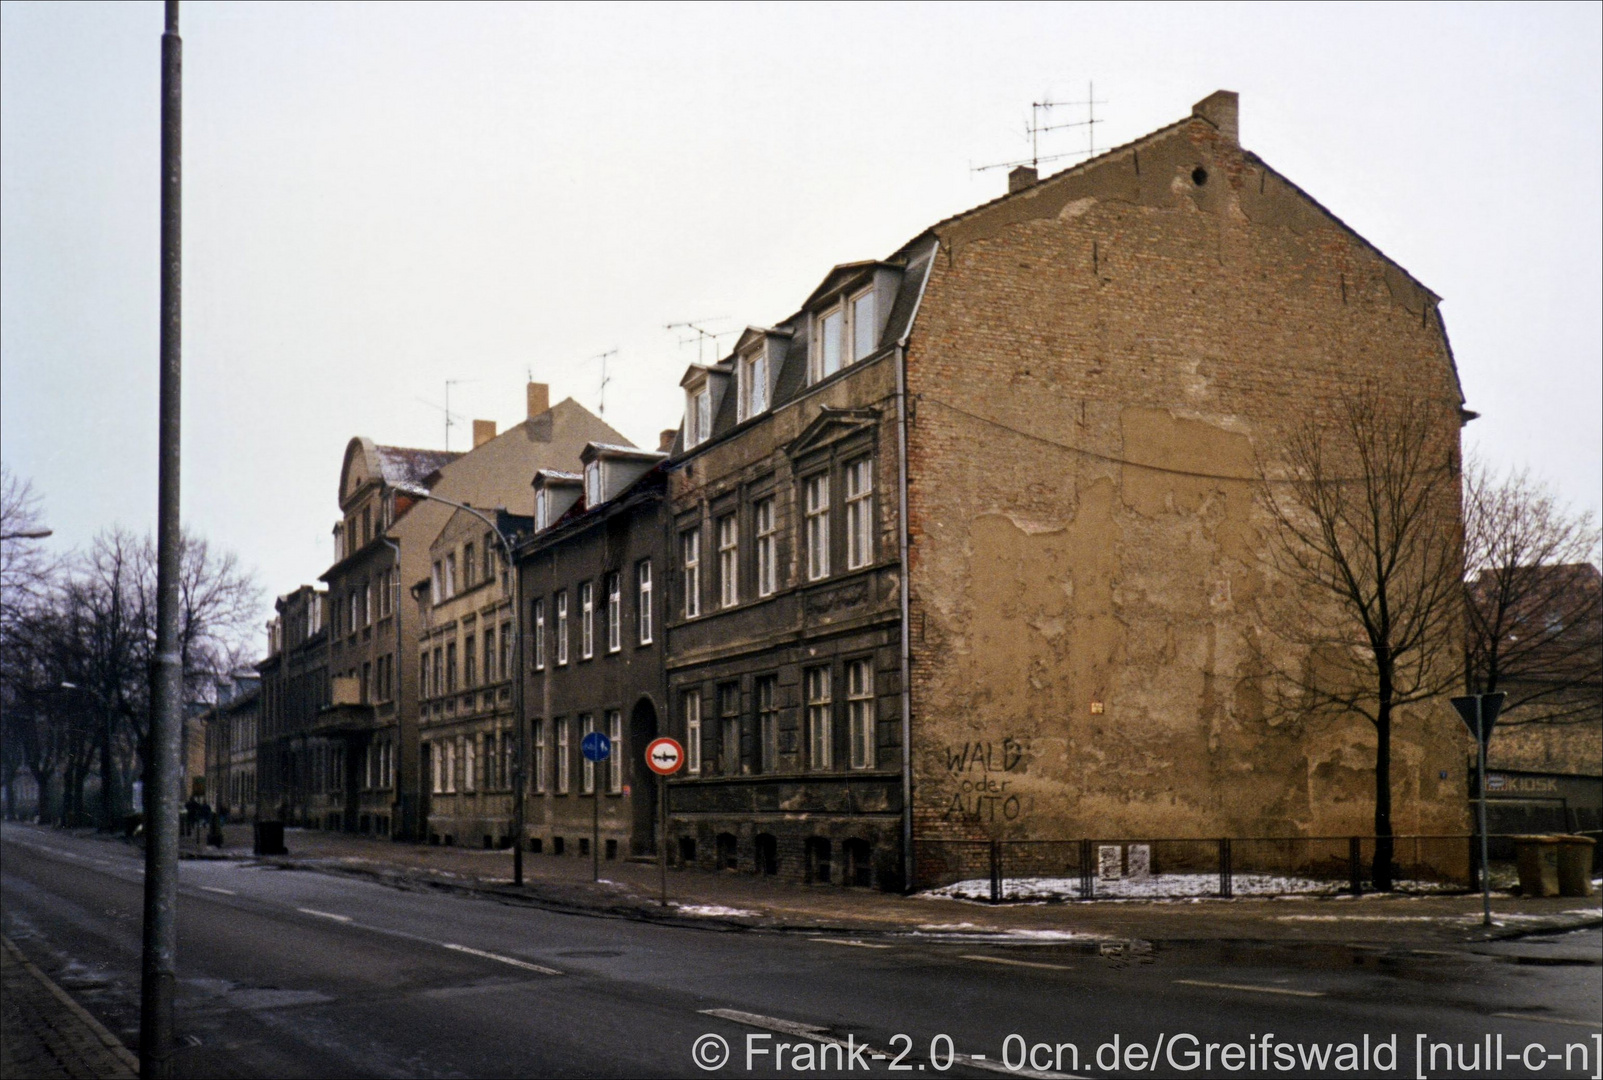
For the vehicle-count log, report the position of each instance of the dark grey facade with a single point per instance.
(784, 662)
(292, 762)
(593, 598)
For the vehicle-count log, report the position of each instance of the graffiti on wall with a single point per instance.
(981, 772)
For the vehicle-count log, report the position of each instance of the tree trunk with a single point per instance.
(1381, 872)
(108, 779)
(41, 780)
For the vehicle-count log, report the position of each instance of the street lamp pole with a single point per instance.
(518, 770)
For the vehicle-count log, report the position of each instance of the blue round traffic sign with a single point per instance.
(596, 746)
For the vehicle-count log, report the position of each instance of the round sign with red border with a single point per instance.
(665, 756)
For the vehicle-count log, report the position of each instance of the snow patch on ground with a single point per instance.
(1159, 887)
(713, 911)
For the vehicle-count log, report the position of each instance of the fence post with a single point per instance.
(1087, 879)
(1355, 863)
(996, 871)
(1225, 890)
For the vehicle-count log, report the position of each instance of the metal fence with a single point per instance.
(1162, 868)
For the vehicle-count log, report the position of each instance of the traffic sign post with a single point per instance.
(664, 756)
(596, 748)
(1479, 713)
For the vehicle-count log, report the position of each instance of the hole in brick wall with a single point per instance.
(1199, 176)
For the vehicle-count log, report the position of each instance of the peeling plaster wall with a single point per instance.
(1098, 368)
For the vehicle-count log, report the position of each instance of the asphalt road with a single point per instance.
(290, 973)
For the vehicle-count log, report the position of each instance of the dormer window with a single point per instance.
(592, 484)
(541, 514)
(698, 416)
(752, 380)
(846, 333)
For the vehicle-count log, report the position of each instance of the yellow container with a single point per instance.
(1538, 863)
(1575, 856)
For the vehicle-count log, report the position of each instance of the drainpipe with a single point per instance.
(902, 542)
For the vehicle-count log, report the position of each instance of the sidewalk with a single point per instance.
(732, 900)
(46, 1034)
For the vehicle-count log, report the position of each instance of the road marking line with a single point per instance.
(853, 944)
(1253, 989)
(323, 914)
(816, 1034)
(1014, 963)
(1550, 1020)
(514, 961)
(224, 892)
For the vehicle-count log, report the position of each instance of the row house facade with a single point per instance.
(466, 671)
(296, 768)
(969, 547)
(232, 737)
(592, 598)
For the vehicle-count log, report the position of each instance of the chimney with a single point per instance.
(665, 440)
(539, 399)
(1021, 177)
(483, 432)
(1222, 109)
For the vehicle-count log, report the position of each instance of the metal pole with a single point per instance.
(1480, 769)
(662, 829)
(158, 962)
(521, 771)
(595, 822)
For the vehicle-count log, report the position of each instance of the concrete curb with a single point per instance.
(112, 1044)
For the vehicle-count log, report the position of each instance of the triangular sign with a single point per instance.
(1479, 720)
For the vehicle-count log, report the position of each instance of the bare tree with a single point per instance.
(1366, 506)
(26, 576)
(1535, 607)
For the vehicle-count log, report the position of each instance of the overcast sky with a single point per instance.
(381, 198)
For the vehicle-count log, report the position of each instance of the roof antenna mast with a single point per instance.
(702, 335)
(605, 378)
(1040, 112)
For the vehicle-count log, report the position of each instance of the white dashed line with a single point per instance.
(323, 914)
(1014, 963)
(1251, 989)
(853, 944)
(514, 961)
(223, 892)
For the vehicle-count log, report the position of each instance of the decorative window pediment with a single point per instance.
(832, 426)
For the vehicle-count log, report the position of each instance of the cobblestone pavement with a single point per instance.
(45, 1034)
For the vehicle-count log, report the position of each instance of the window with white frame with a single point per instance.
(860, 712)
(587, 724)
(386, 595)
(592, 484)
(538, 764)
(615, 762)
(470, 661)
(423, 674)
(816, 491)
(692, 703)
(541, 514)
(506, 650)
(864, 326)
(752, 396)
(470, 764)
(587, 621)
(470, 565)
(614, 612)
(450, 767)
(562, 627)
(564, 764)
(728, 561)
(538, 621)
(643, 599)
(489, 655)
(729, 729)
(690, 544)
(767, 548)
(819, 726)
(450, 575)
(698, 416)
(436, 759)
(439, 671)
(827, 354)
(859, 512)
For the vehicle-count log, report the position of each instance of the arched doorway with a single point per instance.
(642, 781)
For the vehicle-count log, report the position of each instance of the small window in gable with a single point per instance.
(592, 484)
(698, 416)
(753, 389)
(864, 326)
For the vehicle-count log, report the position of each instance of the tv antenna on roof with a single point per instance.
(605, 378)
(702, 335)
(1041, 111)
(450, 417)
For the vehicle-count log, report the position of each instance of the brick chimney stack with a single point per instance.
(1022, 176)
(665, 439)
(1222, 109)
(539, 398)
(483, 432)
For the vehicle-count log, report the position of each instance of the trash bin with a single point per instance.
(270, 838)
(1538, 863)
(1575, 856)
